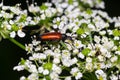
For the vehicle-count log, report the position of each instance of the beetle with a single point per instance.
(51, 36)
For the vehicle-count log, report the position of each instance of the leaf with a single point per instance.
(80, 31)
(23, 18)
(86, 51)
(43, 7)
(118, 48)
(15, 27)
(22, 62)
(48, 66)
(116, 32)
(89, 11)
(4, 33)
(70, 1)
(63, 44)
(89, 76)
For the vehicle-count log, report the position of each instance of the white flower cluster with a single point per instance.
(91, 45)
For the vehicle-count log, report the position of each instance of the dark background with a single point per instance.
(10, 54)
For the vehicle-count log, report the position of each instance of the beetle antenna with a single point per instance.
(48, 1)
(27, 3)
(33, 1)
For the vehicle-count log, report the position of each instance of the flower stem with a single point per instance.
(17, 43)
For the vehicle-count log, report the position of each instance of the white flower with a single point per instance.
(19, 68)
(78, 76)
(40, 69)
(68, 78)
(74, 71)
(66, 62)
(102, 32)
(53, 75)
(108, 45)
(42, 56)
(80, 55)
(104, 39)
(45, 72)
(114, 58)
(89, 66)
(33, 76)
(74, 60)
(88, 59)
(97, 39)
(75, 51)
(65, 54)
(20, 33)
(48, 13)
(78, 44)
(12, 34)
(56, 60)
(116, 38)
(101, 74)
(11, 22)
(64, 5)
(101, 58)
(23, 78)
(8, 27)
(49, 52)
(91, 26)
(117, 52)
(33, 8)
(114, 77)
(56, 69)
(29, 48)
(109, 32)
(43, 16)
(117, 24)
(108, 65)
(33, 69)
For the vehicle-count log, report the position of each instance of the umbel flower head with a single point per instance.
(90, 49)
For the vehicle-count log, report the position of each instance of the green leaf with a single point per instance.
(118, 48)
(4, 33)
(15, 27)
(80, 31)
(70, 1)
(43, 7)
(63, 45)
(116, 32)
(89, 11)
(23, 18)
(22, 62)
(47, 77)
(48, 66)
(89, 76)
(86, 51)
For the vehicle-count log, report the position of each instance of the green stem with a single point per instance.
(17, 43)
(90, 37)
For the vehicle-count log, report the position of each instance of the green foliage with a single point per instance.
(83, 28)
(48, 66)
(15, 27)
(80, 31)
(86, 51)
(116, 32)
(70, 1)
(89, 11)
(22, 62)
(23, 18)
(4, 33)
(89, 76)
(43, 7)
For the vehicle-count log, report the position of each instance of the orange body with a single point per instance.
(51, 36)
